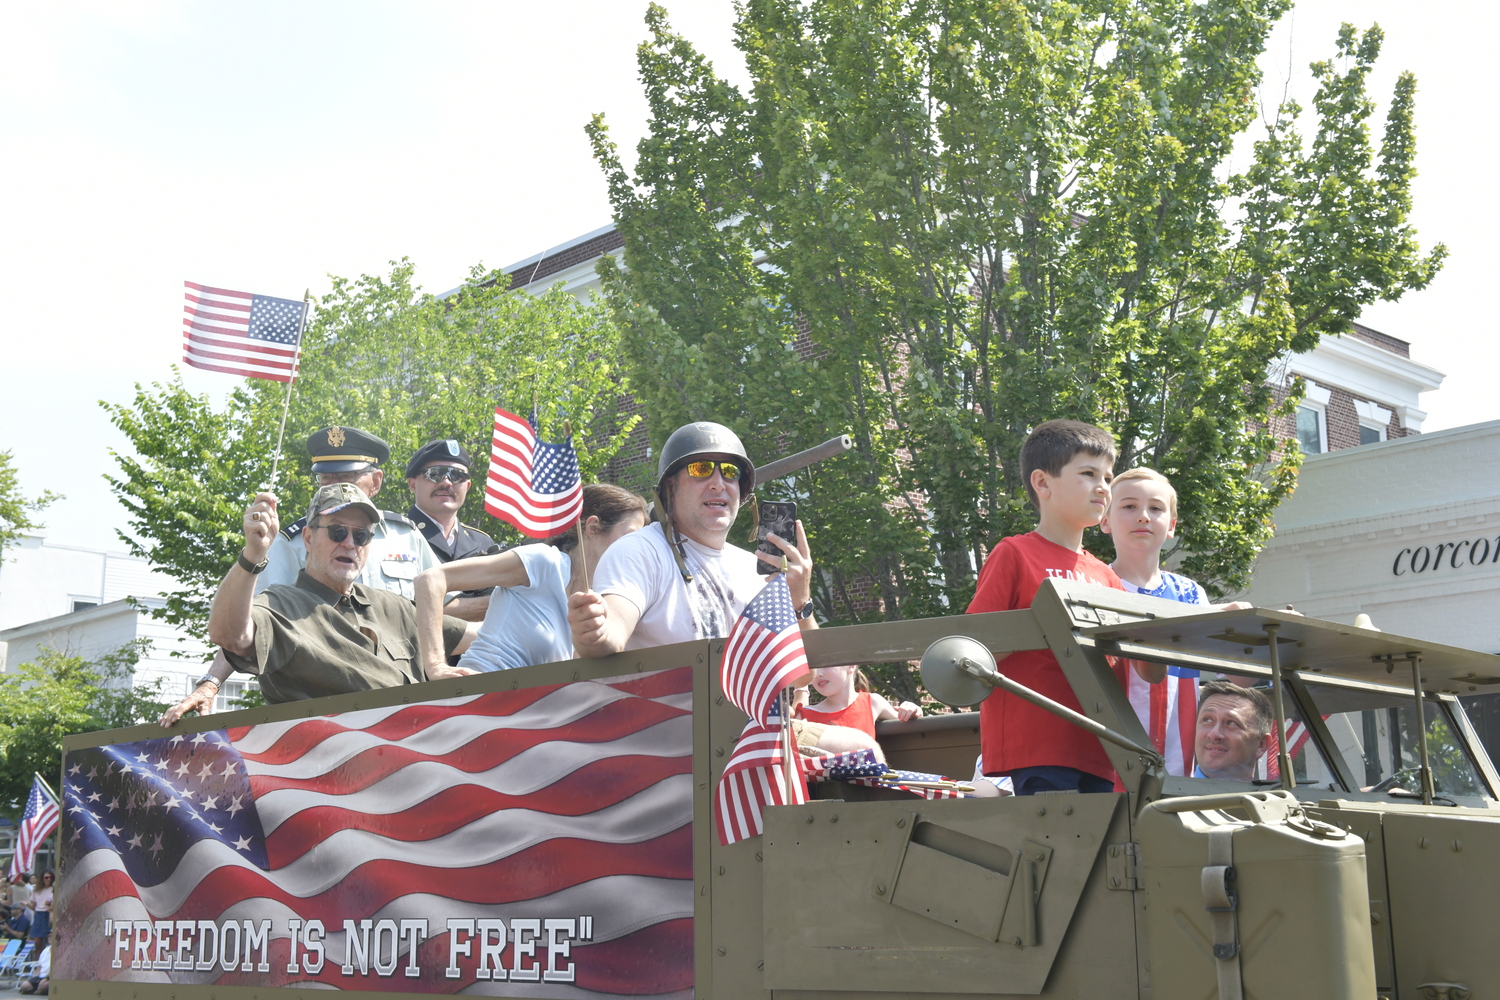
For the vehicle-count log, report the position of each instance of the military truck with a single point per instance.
(550, 832)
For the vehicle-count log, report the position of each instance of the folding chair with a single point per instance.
(21, 965)
(7, 956)
(12, 960)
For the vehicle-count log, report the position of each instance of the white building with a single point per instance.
(78, 601)
(1406, 531)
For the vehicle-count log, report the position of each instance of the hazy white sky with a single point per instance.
(264, 146)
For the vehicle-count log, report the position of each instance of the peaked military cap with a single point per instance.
(447, 450)
(345, 449)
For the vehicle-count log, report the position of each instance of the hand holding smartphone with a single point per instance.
(779, 519)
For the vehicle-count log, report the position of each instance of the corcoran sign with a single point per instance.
(1446, 555)
(475, 845)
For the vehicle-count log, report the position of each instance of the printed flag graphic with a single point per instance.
(242, 334)
(37, 824)
(532, 485)
(467, 845)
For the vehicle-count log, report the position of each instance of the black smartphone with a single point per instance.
(779, 519)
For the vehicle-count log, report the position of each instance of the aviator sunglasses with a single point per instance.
(438, 473)
(703, 470)
(338, 532)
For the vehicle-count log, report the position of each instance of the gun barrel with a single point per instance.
(802, 459)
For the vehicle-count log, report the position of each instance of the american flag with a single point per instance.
(764, 652)
(861, 767)
(37, 824)
(1296, 738)
(762, 655)
(532, 485)
(1169, 711)
(755, 777)
(566, 806)
(242, 334)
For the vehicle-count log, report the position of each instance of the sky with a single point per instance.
(266, 146)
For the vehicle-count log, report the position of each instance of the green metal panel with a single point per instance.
(845, 936)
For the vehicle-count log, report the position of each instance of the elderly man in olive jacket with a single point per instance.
(325, 634)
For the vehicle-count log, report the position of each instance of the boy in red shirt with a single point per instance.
(1067, 467)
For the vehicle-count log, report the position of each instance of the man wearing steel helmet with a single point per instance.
(678, 579)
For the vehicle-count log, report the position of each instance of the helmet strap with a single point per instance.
(674, 540)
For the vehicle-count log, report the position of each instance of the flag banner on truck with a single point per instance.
(533, 486)
(522, 843)
(37, 824)
(241, 333)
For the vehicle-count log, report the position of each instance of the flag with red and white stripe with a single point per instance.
(764, 651)
(754, 778)
(241, 333)
(37, 824)
(469, 845)
(1169, 711)
(533, 486)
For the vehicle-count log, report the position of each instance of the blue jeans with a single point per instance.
(1054, 778)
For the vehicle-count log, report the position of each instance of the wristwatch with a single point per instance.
(806, 611)
(250, 567)
(207, 679)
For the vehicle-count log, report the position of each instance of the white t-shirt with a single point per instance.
(527, 625)
(640, 568)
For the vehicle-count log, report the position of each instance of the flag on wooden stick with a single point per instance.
(532, 485)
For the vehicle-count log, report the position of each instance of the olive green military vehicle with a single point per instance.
(1363, 865)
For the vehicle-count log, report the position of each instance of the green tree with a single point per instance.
(382, 356)
(58, 695)
(936, 225)
(17, 514)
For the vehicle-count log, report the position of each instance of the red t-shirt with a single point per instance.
(1013, 733)
(858, 714)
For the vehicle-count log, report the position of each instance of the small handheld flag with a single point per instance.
(533, 486)
(37, 824)
(764, 651)
(239, 333)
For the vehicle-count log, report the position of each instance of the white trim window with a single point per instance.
(1312, 420)
(1374, 421)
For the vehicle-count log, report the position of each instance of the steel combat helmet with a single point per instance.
(704, 439)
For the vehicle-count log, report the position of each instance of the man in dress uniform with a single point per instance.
(438, 475)
(397, 553)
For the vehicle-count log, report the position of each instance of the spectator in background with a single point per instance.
(41, 906)
(18, 925)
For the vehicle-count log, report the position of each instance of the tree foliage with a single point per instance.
(18, 514)
(60, 695)
(382, 356)
(936, 225)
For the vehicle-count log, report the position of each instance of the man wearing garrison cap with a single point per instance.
(438, 475)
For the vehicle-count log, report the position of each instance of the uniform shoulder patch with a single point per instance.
(394, 517)
(291, 531)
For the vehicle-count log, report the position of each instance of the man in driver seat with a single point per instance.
(1234, 731)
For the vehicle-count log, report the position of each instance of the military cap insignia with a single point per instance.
(336, 436)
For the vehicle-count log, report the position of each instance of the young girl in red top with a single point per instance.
(848, 701)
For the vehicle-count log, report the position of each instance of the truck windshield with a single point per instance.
(1376, 734)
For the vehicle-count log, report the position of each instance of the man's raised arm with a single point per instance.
(230, 625)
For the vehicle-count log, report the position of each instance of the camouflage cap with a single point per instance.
(337, 496)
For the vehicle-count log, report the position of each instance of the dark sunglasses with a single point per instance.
(438, 473)
(704, 470)
(338, 532)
